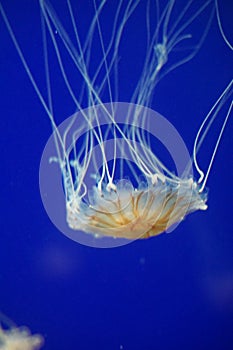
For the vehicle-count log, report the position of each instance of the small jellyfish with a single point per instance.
(17, 338)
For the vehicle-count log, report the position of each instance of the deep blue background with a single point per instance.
(170, 292)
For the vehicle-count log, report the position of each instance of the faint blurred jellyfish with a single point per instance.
(17, 338)
(111, 182)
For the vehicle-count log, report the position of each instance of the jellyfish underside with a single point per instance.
(131, 213)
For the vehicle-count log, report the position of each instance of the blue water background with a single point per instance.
(174, 291)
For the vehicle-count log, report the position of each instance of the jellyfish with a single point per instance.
(20, 338)
(102, 181)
